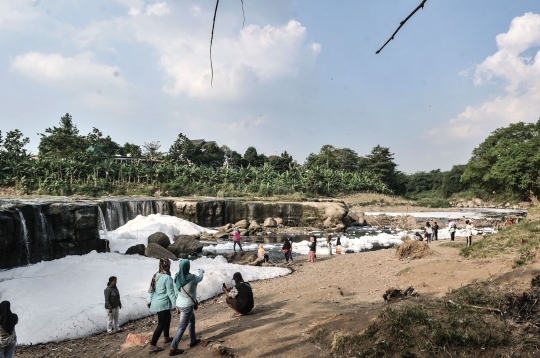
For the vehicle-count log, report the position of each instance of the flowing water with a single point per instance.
(24, 232)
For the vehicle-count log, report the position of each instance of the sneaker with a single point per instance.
(175, 351)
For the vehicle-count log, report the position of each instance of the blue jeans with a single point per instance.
(8, 352)
(187, 320)
(239, 245)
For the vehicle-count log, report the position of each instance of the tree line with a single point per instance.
(506, 164)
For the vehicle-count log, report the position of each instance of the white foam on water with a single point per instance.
(63, 299)
(469, 214)
(348, 243)
(136, 231)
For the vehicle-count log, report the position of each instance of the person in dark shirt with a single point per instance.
(436, 231)
(240, 297)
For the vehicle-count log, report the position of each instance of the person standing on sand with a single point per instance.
(112, 305)
(468, 232)
(429, 232)
(162, 299)
(329, 243)
(452, 229)
(339, 248)
(286, 248)
(8, 337)
(290, 252)
(240, 297)
(186, 284)
(236, 239)
(436, 231)
(312, 247)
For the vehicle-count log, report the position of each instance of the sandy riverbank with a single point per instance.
(339, 292)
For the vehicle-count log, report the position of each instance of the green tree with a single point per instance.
(100, 146)
(210, 155)
(508, 161)
(232, 157)
(251, 157)
(61, 142)
(151, 150)
(132, 150)
(451, 181)
(281, 163)
(183, 151)
(331, 157)
(14, 144)
(381, 162)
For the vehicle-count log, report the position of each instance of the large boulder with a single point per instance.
(279, 221)
(253, 226)
(159, 238)
(243, 258)
(136, 250)
(225, 228)
(270, 222)
(242, 224)
(185, 244)
(158, 252)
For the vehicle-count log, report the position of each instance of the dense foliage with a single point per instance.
(507, 162)
(69, 163)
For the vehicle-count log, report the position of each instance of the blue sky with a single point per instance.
(300, 74)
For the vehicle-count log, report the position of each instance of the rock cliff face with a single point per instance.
(46, 229)
(31, 232)
(215, 213)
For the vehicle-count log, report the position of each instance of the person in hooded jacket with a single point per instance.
(186, 284)
(162, 300)
(112, 305)
(8, 337)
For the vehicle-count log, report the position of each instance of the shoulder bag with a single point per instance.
(195, 302)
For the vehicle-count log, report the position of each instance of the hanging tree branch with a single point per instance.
(211, 40)
(212, 37)
(421, 6)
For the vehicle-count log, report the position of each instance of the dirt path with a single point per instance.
(336, 293)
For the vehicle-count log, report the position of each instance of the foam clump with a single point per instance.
(136, 231)
(63, 299)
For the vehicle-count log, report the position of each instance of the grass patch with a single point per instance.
(404, 271)
(464, 323)
(522, 239)
(453, 244)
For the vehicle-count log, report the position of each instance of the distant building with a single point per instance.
(202, 142)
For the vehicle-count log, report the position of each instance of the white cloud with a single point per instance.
(520, 75)
(158, 9)
(257, 55)
(78, 71)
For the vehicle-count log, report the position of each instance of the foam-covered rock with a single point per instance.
(185, 244)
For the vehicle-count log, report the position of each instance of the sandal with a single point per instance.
(156, 349)
(175, 351)
(194, 343)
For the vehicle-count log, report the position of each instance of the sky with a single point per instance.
(297, 75)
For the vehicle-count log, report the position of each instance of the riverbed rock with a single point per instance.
(279, 221)
(158, 252)
(206, 236)
(270, 222)
(185, 244)
(221, 235)
(136, 250)
(243, 258)
(253, 226)
(226, 228)
(242, 224)
(159, 238)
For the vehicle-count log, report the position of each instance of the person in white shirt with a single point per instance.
(429, 232)
(452, 229)
(468, 232)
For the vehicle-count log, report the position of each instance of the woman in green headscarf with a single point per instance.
(186, 284)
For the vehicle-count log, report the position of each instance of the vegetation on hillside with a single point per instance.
(506, 165)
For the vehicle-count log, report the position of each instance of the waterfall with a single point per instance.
(42, 234)
(24, 232)
(119, 212)
(102, 225)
